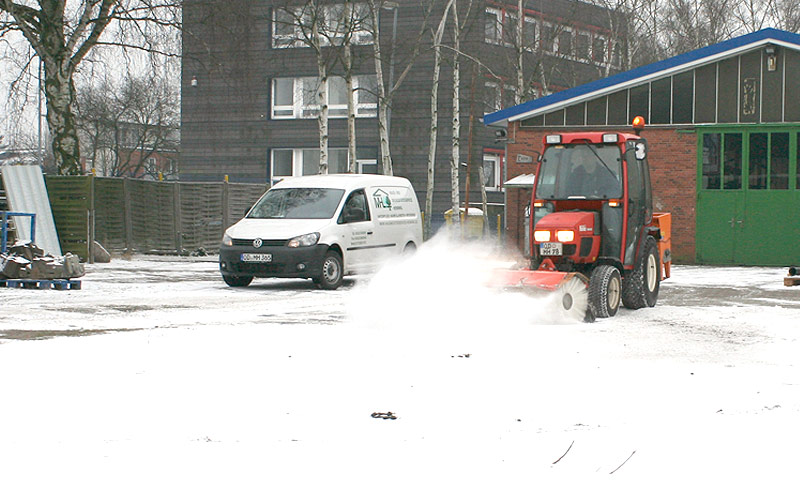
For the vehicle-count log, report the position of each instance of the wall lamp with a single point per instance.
(193, 82)
(772, 58)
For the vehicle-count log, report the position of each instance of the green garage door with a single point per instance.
(748, 197)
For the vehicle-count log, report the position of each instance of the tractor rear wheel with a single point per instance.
(604, 291)
(640, 287)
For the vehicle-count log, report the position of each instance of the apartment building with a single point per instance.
(250, 81)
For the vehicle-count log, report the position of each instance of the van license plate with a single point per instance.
(257, 257)
(552, 249)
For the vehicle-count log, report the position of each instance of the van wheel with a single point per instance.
(331, 276)
(640, 287)
(409, 249)
(237, 281)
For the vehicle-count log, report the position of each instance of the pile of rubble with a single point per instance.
(27, 261)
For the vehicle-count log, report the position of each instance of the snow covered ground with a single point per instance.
(156, 369)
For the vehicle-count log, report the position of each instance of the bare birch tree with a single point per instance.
(437, 65)
(455, 158)
(62, 33)
(387, 92)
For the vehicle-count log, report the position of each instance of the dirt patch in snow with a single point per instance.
(48, 334)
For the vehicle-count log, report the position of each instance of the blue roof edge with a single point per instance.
(645, 70)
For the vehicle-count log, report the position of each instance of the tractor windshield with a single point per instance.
(580, 171)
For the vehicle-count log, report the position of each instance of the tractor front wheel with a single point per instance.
(604, 291)
(640, 288)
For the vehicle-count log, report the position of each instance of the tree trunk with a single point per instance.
(322, 100)
(351, 111)
(437, 64)
(383, 133)
(520, 91)
(454, 159)
(61, 95)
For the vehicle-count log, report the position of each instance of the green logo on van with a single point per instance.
(382, 199)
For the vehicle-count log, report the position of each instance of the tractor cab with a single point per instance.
(591, 200)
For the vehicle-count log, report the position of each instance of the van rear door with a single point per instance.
(395, 215)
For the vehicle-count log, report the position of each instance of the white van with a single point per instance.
(322, 227)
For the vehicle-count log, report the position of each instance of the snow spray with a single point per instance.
(442, 290)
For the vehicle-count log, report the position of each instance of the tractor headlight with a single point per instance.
(541, 235)
(227, 240)
(306, 240)
(565, 236)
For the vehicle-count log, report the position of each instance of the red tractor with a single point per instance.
(592, 225)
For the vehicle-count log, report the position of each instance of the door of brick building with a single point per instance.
(747, 196)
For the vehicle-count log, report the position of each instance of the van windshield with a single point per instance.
(297, 203)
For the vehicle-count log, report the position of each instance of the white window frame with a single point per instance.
(553, 30)
(582, 33)
(498, 14)
(362, 36)
(604, 58)
(490, 157)
(300, 110)
(615, 62)
(497, 98)
(297, 162)
(361, 162)
(534, 45)
(508, 88)
(571, 54)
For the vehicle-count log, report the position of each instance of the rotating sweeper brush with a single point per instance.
(567, 290)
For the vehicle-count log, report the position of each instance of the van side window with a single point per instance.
(355, 208)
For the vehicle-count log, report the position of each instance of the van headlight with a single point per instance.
(306, 240)
(227, 240)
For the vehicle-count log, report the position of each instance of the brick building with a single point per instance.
(724, 138)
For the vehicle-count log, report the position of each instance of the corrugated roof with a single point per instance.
(643, 74)
(26, 192)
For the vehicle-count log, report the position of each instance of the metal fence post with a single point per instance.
(176, 198)
(126, 189)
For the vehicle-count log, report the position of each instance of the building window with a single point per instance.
(296, 162)
(367, 166)
(492, 162)
(529, 34)
(292, 26)
(599, 53)
(616, 55)
(492, 98)
(565, 43)
(494, 26)
(548, 38)
(297, 97)
(582, 46)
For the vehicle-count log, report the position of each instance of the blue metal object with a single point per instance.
(4, 226)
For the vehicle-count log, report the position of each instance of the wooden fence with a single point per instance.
(144, 215)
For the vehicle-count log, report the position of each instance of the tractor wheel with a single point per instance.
(604, 291)
(237, 281)
(640, 288)
(332, 272)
